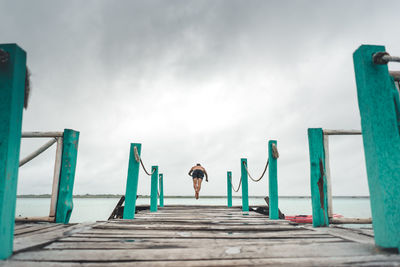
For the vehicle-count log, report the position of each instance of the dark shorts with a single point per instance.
(198, 174)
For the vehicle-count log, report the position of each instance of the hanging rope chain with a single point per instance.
(262, 175)
(275, 155)
(139, 159)
(240, 183)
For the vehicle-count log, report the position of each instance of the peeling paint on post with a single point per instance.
(273, 183)
(132, 183)
(229, 188)
(319, 196)
(154, 189)
(67, 176)
(378, 101)
(245, 189)
(12, 87)
(161, 190)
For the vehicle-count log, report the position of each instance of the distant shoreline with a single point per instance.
(146, 196)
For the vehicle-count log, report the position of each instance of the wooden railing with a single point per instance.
(272, 181)
(132, 183)
(64, 172)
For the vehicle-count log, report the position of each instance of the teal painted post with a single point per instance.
(273, 183)
(161, 190)
(132, 183)
(377, 98)
(154, 189)
(229, 189)
(319, 195)
(245, 189)
(12, 88)
(67, 176)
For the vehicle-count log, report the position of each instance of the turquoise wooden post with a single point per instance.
(380, 130)
(12, 84)
(161, 190)
(229, 189)
(132, 183)
(154, 189)
(273, 182)
(245, 189)
(67, 176)
(319, 196)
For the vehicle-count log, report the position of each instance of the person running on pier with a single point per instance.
(197, 172)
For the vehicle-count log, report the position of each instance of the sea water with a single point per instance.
(98, 209)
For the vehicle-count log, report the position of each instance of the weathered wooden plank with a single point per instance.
(375, 260)
(43, 237)
(238, 252)
(112, 236)
(348, 234)
(185, 243)
(199, 227)
(350, 220)
(34, 228)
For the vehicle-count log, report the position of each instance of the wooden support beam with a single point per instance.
(12, 90)
(328, 175)
(245, 187)
(161, 190)
(273, 182)
(67, 176)
(378, 101)
(319, 192)
(154, 189)
(42, 134)
(229, 188)
(350, 220)
(56, 178)
(132, 183)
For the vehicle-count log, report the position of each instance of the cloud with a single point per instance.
(196, 81)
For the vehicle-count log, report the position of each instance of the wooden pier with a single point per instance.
(194, 236)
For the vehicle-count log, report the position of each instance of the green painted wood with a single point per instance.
(319, 193)
(229, 189)
(377, 100)
(67, 176)
(12, 88)
(161, 190)
(154, 189)
(132, 183)
(273, 183)
(245, 186)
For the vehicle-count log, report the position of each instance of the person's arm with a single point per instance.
(206, 175)
(190, 172)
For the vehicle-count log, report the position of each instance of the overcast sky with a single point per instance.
(195, 81)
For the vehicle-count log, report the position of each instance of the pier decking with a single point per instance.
(194, 236)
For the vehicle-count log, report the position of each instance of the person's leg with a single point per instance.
(199, 184)
(195, 184)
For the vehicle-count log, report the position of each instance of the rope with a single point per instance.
(262, 175)
(275, 152)
(240, 183)
(275, 155)
(139, 159)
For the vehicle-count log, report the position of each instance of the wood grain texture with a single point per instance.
(186, 241)
(378, 101)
